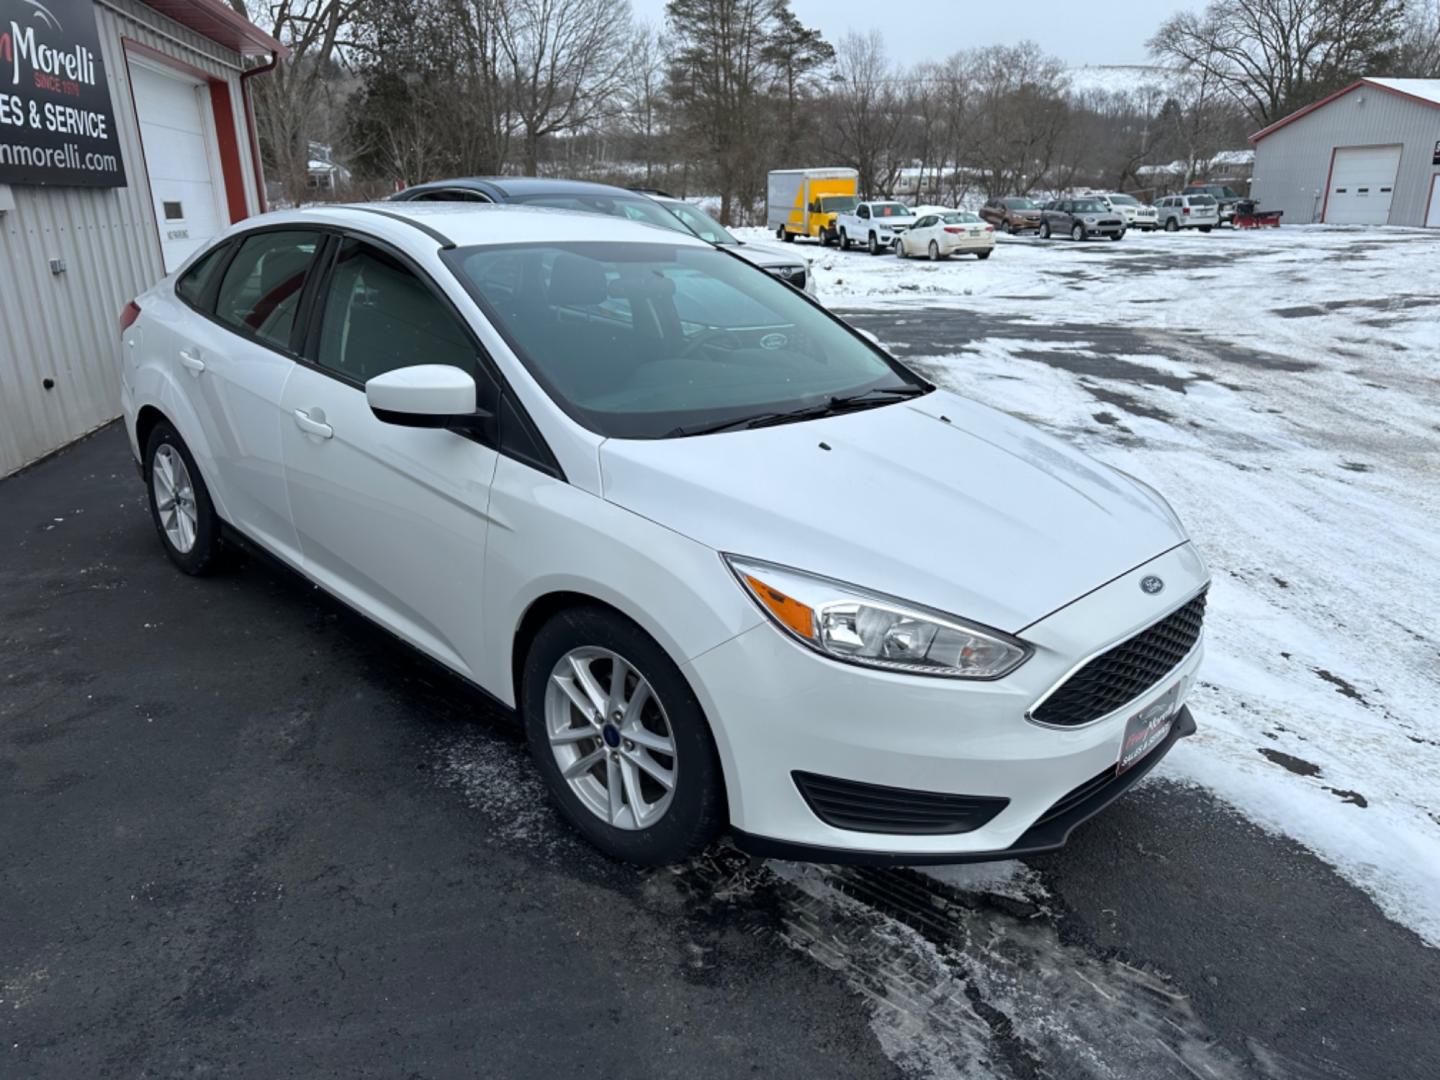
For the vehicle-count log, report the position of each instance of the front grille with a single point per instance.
(1125, 672)
(791, 275)
(849, 804)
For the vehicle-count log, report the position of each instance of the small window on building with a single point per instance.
(174, 211)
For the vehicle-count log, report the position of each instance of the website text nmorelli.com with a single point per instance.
(56, 157)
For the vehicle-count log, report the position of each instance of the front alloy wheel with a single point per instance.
(610, 737)
(1044, 230)
(620, 739)
(934, 251)
(874, 244)
(1077, 233)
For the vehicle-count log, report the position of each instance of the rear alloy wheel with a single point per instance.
(1171, 225)
(873, 245)
(180, 503)
(1077, 233)
(934, 251)
(1008, 228)
(1044, 230)
(620, 739)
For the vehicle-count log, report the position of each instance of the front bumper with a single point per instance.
(778, 708)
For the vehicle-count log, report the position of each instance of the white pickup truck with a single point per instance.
(875, 225)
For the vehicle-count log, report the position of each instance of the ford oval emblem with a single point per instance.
(1150, 584)
(774, 341)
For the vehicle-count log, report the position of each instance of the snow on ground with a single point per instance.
(1282, 388)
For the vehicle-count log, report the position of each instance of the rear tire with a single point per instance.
(689, 813)
(983, 255)
(180, 504)
(934, 251)
(787, 236)
(1171, 225)
(844, 240)
(1206, 228)
(780, 233)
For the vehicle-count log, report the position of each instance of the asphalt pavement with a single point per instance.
(244, 833)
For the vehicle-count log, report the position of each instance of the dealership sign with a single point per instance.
(56, 124)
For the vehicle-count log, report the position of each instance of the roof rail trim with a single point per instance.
(440, 238)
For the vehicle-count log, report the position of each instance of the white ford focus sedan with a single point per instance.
(729, 562)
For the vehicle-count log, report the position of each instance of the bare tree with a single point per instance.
(1272, 56)
(1420, 41)
(642, 95)
(865, 111)
(289, 100)
(1022, 116)
(565, 59)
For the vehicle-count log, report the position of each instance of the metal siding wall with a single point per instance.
(63, 326)
(1294, 162)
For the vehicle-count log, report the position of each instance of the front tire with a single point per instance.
(180, 503)
(620, 739)
(873, 245)
(934, 251)
(1118, 236)
(1077, 233)
(1044, 230)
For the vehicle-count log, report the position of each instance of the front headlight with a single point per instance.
(860, 627)
(1090, 221)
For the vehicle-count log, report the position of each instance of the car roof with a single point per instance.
(517, 187)
(468, 224)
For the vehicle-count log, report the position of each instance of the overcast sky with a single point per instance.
(1113, 32)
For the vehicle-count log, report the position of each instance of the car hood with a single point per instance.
(768, 257)
(940, 501)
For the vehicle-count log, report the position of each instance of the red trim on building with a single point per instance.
(1278, 124)
(229, 146)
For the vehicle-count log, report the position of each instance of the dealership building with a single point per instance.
(1366, 155)
(127, 140)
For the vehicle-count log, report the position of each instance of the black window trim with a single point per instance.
(484, 362)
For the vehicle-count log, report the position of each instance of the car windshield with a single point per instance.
(1202, 200)
(633, 208)
(889, 209)
(701, 223)
(655, 340)
(837, 204)
(1090, 206)
(1125, 200)
(1019, 204)
(961, 217)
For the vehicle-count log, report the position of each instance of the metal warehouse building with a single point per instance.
(126, 141)
(1366, 155)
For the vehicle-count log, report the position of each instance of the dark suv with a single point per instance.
(1225, 197)
(1012, 214)
(1079, 218)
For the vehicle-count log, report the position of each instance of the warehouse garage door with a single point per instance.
(179, 143)
(1362, 180)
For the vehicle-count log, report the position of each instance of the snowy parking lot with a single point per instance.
(246, 834)
(1282, 389)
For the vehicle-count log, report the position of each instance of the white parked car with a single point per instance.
(1136, 214)
(1178, 212)
(939, 233)
(728, 561)
(875, 226)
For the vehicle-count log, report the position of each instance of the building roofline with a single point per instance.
(219, 22)
(1298, 113)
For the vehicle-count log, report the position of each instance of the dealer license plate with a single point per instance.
(1147, 728)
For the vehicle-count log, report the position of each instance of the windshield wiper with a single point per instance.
(831, 406)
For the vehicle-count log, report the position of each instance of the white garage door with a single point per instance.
(1361, 183)
(178, 155)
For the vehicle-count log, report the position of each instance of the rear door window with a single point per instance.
(261, 289)
(193, 286)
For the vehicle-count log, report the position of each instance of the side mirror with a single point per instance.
(426, 395)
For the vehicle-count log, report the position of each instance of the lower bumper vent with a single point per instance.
(849, 804)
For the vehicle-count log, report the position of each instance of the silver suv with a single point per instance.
(1188, 212)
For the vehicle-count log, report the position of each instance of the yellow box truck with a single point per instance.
(804, 202)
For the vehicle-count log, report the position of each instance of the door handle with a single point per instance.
(191, 362)
(312, 427)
